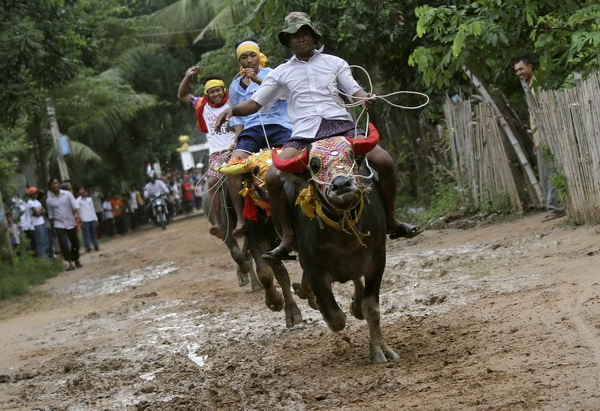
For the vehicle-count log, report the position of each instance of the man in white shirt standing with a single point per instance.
(63, 212)
(36, 214)
(89, 220)
(25, 222)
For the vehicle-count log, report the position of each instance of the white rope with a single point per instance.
(335, 93)
(223, 158)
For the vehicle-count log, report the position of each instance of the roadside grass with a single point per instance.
(24, 272)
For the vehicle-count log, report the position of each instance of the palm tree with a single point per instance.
(197, 21)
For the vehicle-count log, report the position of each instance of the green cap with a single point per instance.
(292, 24)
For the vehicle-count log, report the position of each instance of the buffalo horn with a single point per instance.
(296, 164)
(367, 144)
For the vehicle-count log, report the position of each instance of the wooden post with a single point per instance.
(5, 247)
(509, 133)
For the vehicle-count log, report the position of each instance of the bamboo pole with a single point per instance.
(569, 123)
(513, 140)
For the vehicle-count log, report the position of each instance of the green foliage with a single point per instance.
(118, 65)
(40, 47)
(487, 37)
(24, 272)
(559, 180)
(13, 144)
(94, 109)
(447, 205)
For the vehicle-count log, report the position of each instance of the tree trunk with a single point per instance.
(5, 247)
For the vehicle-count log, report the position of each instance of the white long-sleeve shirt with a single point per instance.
(155, 187)
(61, 209)
(87, 211)
(305, 85)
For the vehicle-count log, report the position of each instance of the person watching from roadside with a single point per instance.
(36, 212)
(89, 220)
(524, 69)
(63, 212)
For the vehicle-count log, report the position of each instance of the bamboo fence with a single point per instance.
(569, 123)
(479, 155)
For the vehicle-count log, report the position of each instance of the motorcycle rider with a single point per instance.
(155, 187)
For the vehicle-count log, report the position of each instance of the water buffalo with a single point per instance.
(242, 256)
(340, 231)
(262, 236)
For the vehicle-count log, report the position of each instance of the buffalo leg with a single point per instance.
(273, 298)
(251, 273)
(304, 292)
(356, 305)
(293, 315)
(379, 351)
(331, 311)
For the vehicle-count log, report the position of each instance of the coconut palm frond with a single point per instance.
(218, 26)
(114, 73)
(227, 15)
(79, 152)
(84, 153)
(109, 119)
(131, 60)
(183, 16)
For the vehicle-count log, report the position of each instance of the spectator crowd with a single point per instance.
(59, 219)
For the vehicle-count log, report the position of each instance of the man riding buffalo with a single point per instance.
(304, 81)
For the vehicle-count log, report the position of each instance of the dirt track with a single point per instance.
(502, 316)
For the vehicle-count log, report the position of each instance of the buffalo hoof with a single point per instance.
(381, 356)
(336, 321)
(306, 294)
(243, 279)
(293, 316)
(257, 286)
(356, 310)
(405, 230)
(274, 301)
(300, 290)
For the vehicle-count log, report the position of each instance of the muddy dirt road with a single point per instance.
(500, 316)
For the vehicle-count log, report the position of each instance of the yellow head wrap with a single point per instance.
(247, 46)
(213, 83)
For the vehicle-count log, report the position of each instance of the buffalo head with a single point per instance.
(332, 166)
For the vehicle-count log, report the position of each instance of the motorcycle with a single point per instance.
(159, 210)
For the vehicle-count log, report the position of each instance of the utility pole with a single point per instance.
(54, 130)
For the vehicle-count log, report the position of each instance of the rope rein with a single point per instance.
(335, 93)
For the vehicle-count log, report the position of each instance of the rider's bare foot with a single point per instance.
(240, 230)
(217, 232)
